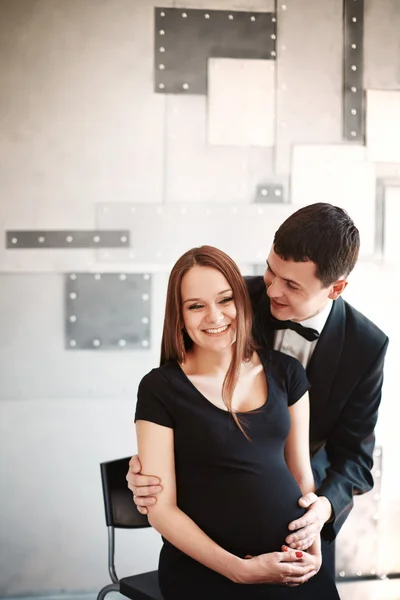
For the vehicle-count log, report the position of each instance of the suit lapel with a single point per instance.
(324, 362)
(263, 332)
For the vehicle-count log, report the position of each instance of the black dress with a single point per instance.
(239, 492)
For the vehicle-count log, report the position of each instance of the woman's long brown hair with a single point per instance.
(175, 344)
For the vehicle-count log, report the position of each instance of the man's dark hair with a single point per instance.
(324, 234)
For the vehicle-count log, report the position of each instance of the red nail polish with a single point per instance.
(299, 554)
(285, 548)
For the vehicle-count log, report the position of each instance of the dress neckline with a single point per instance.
(224, 410)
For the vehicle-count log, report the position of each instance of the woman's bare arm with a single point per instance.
(297, 453)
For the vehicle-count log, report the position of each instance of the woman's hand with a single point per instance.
(289, 567)
(312, 556)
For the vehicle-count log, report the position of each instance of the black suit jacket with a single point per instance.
(346, 375)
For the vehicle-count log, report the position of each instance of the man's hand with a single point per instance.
(142, 486)
(309, 526)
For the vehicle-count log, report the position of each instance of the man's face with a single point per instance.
(295, 291)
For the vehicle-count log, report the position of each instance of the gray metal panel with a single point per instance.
(107, 311)
(353, 64)
(185, 38)
(382, 44)
(309, 80)
(68, 239)
(270, 192)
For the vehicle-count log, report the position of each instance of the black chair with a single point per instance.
(121, 512)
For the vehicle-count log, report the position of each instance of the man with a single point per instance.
(298, 310)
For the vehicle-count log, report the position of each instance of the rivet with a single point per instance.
(145, 320)
(145, 343)
(72, 276)
(273, 36)
(14, 240)
(146, 276)
(264, 192)
(122, 277)
(354, 19)
(145, 297)
(162, 14)
(273, 53)
(353, 89)
(252, 18)
(161, 67)
(124, 239)
(69, 238)
(184, 15)
(230, 17)
(206, 16)
(162, 49)
(359, 573)
(278, 192)
(72, 318)
(161, 86)
(96, 239)
(273, 20)
(353, 133)
(97, 276)
(283, 7)
(72, 343)
(353, 68)
(353, 111)
(41, 239)
(96, 343)
(121, 343)
(72, 295)
(161, 32)
(354, 46)
(185, 86)
(342, 574)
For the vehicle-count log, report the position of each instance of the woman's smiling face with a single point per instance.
(208, 308)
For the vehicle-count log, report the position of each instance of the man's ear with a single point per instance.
(337, 289)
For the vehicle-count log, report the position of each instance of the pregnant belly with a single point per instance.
(243, 512)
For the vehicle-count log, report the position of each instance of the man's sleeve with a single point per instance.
(350, 447)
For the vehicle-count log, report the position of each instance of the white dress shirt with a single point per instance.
(290, 342)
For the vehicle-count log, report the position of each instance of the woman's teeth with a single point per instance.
(219, 330)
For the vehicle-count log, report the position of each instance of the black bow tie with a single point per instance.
(306, 332)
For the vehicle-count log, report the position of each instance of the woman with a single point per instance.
(238, 419)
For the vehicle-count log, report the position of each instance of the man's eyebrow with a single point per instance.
(292, 281)
(199, 299)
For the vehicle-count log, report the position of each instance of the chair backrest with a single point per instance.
(120, 509)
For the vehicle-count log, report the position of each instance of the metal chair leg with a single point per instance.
(111, 587)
